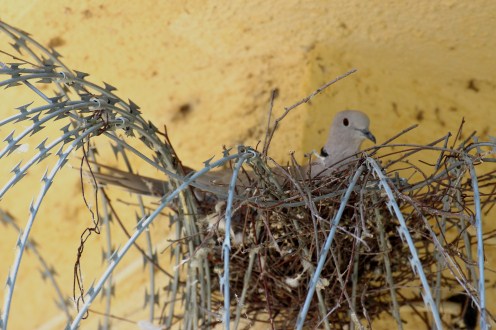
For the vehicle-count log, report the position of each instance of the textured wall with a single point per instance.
(206, 69)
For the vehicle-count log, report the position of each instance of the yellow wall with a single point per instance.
(427, 62)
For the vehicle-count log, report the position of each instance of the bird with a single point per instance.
(348, 130)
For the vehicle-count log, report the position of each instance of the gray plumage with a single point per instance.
(347, 132)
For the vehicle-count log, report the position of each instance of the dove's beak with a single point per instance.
(368, 135)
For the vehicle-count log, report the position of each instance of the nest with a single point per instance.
(279, 233)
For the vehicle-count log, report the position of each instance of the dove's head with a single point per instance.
(348, 130)
(352, 124)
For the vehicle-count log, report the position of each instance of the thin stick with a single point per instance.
(304, 100)
(273, 95)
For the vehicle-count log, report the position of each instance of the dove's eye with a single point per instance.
(346, 122)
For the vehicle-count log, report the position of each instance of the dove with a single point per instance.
(347, 132)
(349, 129)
